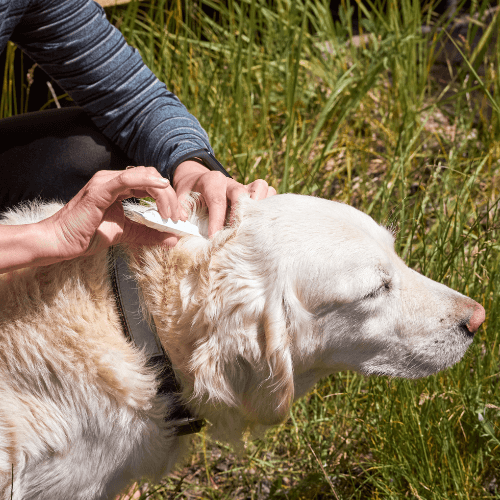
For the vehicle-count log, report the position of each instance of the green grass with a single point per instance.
(285, 95)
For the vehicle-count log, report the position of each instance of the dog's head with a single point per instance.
(297, 289)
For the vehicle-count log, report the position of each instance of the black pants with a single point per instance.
(51, 155)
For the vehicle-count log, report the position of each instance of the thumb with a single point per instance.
(137, 234)
(182, 198)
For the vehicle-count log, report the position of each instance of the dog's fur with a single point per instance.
(296, 289)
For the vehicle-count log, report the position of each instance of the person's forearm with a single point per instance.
(24, 246)
(91, 61)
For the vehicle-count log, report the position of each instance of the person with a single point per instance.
(125, 116)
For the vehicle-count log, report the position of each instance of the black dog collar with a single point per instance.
(138, 331)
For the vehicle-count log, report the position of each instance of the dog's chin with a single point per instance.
(422, 361)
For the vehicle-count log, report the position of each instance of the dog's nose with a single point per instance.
(477, 318)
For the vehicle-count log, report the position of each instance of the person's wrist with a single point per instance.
(45, 247)
(25, 245)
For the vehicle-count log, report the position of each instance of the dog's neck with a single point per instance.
(163, 275)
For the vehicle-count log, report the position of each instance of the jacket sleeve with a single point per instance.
(89, 58)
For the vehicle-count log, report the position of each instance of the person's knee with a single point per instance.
(53, 155)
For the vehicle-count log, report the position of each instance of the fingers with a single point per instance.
(214, 192)
(217, 191)
(166, 201)
(234, 193)
(142, 178)
(165, 197)
(270, 191)
(188, 177)
(258, 189)
(108, 186)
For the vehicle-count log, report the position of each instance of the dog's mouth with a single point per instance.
(421, 359)
(464, 330)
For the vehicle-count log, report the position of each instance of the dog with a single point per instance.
(295, 289)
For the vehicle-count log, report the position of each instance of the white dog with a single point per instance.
(296, 289)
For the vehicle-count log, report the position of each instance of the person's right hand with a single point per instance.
(217, 191)
(94, 219)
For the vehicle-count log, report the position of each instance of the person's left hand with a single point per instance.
(217, 191)
(94, 219)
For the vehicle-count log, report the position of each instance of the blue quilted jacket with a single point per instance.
(75, 44)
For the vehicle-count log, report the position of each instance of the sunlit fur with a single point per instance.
(295, 289)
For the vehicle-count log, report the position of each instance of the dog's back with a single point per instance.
(75, 397)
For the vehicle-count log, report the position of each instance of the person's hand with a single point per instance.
(94, 219)
(217, 191)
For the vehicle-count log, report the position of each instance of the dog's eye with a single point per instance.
(384, 288)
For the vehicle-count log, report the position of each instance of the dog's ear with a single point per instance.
(272, 399)
(250, 372)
